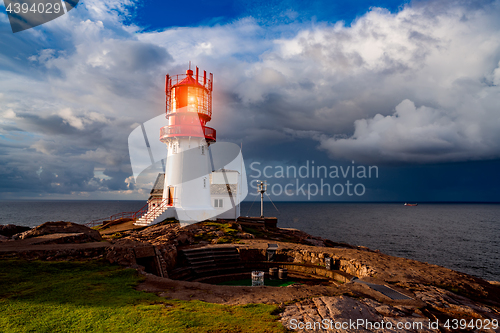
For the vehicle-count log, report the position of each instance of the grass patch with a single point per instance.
(224, 240)
(228, 228)
(257, 232)
(116, 235)
(169, 220)
(229, 236)
(97, 297)
(204, 237)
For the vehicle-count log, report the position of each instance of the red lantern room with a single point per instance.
(188, 106)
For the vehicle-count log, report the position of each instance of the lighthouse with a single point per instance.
(200, 181)
(188, 110)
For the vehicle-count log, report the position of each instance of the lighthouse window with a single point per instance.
(174, 149)
(203, 150)
(192, 99)
(218, 203)
(174, 100)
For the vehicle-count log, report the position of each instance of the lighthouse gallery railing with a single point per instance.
(183, 130)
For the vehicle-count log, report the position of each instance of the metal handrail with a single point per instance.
(132, 215)
(183, 130)
(176, 78)
(141, 211)
(114, 217)
(164, 203)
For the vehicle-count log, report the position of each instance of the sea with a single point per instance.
(460, 236)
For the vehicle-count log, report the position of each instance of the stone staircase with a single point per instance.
(162, 264)
(208, 261)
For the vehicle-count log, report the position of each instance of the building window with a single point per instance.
(218, 203)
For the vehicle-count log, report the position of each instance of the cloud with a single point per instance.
(68, 91)
(414, 134)
(347, 82)
(331, 79)
(417, 86)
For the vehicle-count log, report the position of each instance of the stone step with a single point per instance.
(211, 260)
(206, 252)
(222, 266)
(181, 273)
(216, 271)
(147, 220)
(149, 217)
(211, 253)
(216, 262)
(211, 249)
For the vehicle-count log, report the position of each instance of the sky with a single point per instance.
(407, 89)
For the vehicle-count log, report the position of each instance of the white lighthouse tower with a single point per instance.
(195, 187)
(188, 109)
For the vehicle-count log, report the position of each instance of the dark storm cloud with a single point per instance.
(71, 94)
(63, 159)
(419, 86)
(51, 125)
(138, 56)
(116, 181)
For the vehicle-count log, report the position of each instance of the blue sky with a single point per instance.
(411, 87)
(153, 15)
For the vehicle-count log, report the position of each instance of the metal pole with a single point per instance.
(261, 199)
(262, 204)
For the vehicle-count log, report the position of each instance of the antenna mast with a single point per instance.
(262, 189)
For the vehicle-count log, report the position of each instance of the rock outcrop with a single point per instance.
(433, 293)
(9, 230)
(346, 314)
(60, 227)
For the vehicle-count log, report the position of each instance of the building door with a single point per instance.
(170, 195)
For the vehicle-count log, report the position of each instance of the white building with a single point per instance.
(225, 193)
